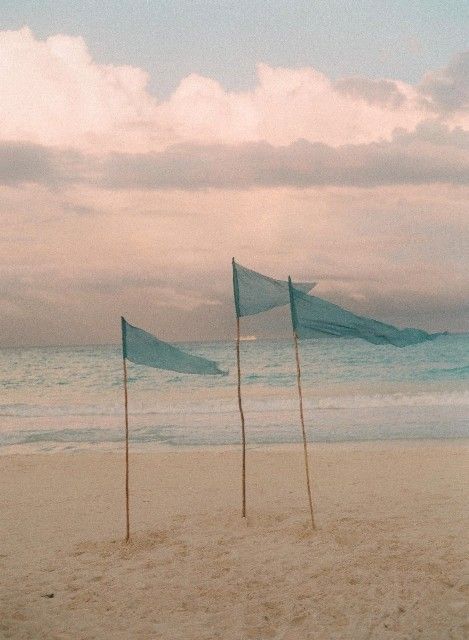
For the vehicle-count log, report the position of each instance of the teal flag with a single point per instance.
(313, 317)
(254, 292)
(142, 348)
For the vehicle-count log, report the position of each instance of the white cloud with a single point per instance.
(53, 93)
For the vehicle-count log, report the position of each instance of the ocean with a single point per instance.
(71, 398)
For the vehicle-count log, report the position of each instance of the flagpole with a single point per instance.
(300, 397)
(240, 403)
(127, 514)
(126, 405)
(305, 442)
(243, 430)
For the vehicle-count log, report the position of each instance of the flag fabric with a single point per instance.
(254, 292)
(143, 348)
(313, 317)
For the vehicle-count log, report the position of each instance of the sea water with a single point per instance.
(56, 398)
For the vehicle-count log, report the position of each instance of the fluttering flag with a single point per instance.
(254, 292)
(143, 348)
(313, 317)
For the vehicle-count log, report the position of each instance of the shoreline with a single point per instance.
(158, 447)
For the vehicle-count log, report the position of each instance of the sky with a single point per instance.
(144, 144)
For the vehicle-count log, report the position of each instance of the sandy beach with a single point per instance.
(387, 559)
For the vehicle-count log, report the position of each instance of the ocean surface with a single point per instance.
(71, 398)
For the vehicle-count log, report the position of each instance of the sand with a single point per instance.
(387, 560)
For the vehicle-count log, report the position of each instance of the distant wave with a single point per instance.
(79, 439)
(199, 406)
(457, 372)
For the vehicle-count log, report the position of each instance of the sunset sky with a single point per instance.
(144, 144)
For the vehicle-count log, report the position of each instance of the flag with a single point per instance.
(254, 293)
(143, 348)
(313, 317)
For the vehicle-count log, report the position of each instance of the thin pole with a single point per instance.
(127, 514)
(305, 443)
(240, 404)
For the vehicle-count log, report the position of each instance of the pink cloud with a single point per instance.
(70, 263)
(75, 252)
(53, 93)
(429, 154)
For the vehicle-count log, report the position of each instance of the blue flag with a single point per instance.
(254, 293)
(143, 348)
(313, 317)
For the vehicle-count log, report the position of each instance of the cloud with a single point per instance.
(79, 209)
(114, 202)
(21, 162)
(447, 90)
(396, 253)
(381, 92)
(430, 154)
(55, 94)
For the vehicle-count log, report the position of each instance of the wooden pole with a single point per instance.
(240, 404)
(127, 512)
(243, 430)
(305, 443)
